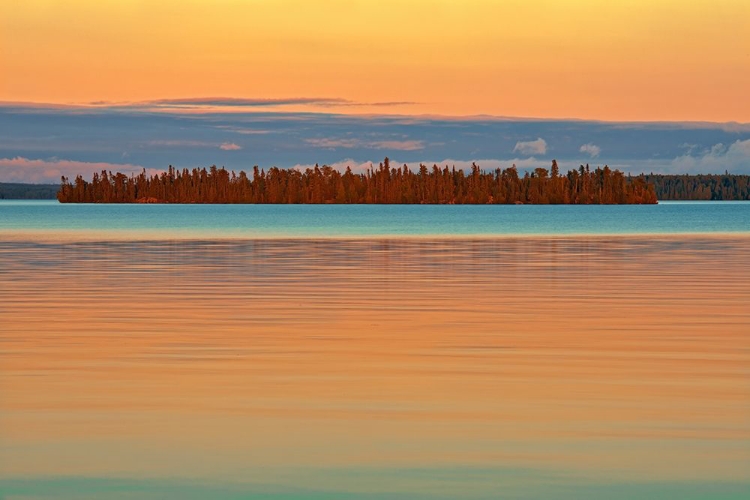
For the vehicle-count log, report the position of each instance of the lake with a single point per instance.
(165, 351)
(135, 221)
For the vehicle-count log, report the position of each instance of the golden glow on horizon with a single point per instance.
(638, 60)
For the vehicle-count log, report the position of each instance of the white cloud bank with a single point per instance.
(485, 164)
(334, 143)
(229, 146)
(530, 148)
(20, 169)
(734, 158)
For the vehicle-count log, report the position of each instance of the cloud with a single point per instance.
(590, 149)
(20, 169)
(244, 130)
(689, 148)
(186, 143)
(717, 159)
(486, 164)
(734, 158)
(332, 143)
(398, 145)
(180, 143)
(341, 166)
(251, 102)
(210, 103)
(194, 102)
(284, 137)
(390, 103)
(530, 148)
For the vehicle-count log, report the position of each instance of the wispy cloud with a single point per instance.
(689, 148)
(351, 143)
(487, 164)
(180, 143)
(389, 103)
(398, 145)
(20, 169)
(734, 158)
(284, 137)
(243, 102)
(187, 143)
(590, 149)
(530, 148)
(326, 142)
(244, 130)
(239, 103)
(354, 165)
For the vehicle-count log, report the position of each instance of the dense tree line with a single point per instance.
(700, 187)
(20, 191)
(383, 184)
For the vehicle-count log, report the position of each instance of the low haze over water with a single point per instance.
(374, 351)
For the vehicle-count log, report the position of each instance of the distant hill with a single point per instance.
(19, 191)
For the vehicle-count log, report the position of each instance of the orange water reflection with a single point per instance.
(281, 362)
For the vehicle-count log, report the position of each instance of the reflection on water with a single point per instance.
(565, 368)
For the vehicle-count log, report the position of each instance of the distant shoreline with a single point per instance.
(24, 191)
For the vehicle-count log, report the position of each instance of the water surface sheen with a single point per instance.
(319, 221)
(567, 367)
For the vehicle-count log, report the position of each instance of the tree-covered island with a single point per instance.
(382, 185)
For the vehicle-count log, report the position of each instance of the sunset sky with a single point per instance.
(635, 61)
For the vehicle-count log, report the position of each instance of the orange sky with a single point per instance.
(636, 60)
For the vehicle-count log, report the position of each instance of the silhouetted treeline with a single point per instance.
(20, 191)
(700, 187)
(383, 184)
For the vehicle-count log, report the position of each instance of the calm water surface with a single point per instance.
(463, 367)
(92, 221)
